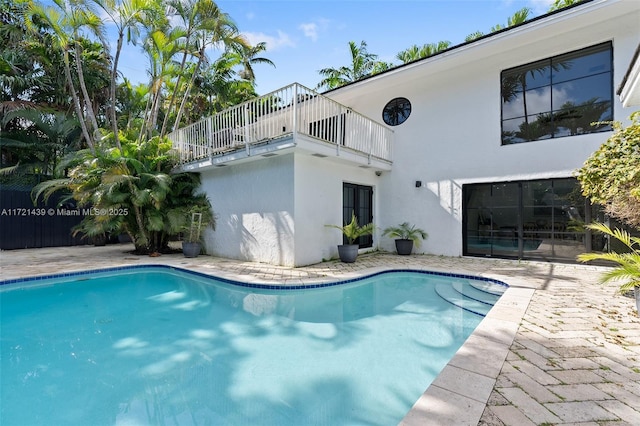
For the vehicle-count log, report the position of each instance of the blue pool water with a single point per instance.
(162, 346)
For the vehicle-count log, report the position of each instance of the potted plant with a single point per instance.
(95, 230)
(406, 236)
(200, 219)
(628, 269)
(352, 231)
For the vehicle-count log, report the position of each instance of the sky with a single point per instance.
(304, 36)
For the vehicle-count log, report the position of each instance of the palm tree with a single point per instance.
(85, 17)
(37, 140)
(561, 4)
(205, 26)
(65, 21)
(131, 103)
(381, 66)
(220, 88)
(20, 73)
(627, 271)
(136, 189)
(127, 15)
(216, 28)
(247, 57)
(473, 36)
(362, 64)
(416, 52)
(189, 12)
(517, 18)
(160, 46)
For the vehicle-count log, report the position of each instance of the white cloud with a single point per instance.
(538, 101)
(313, 28)
(282, 40)
(310, 30)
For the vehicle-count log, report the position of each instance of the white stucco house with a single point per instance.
(477, 145)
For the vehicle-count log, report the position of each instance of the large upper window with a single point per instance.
(560, 96)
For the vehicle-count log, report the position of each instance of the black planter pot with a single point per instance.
(191, 249)
(404, 247)
(100, 240)
(348, 252)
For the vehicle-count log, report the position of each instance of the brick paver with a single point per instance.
(575, 357)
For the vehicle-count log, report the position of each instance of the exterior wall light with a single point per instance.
(418, 183)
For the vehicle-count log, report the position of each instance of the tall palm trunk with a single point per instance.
(155, 106)
(83, 88)
(112, 92)
(188, 88)
(175, 91)
(147, 112)
(76, 103)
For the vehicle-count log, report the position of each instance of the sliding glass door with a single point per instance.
(540, 219)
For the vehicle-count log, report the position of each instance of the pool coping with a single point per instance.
(460, 392)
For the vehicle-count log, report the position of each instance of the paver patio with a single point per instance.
(558, 348)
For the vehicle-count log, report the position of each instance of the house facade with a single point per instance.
(477, 145)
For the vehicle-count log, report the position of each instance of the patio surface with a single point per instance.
(557, 349)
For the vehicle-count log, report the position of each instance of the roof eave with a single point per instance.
(629, 89)
(530, 25)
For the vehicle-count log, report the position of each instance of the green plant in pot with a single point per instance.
(94, 228)
(200, 218)
(351, 231)
(628, 270)
(406, 236)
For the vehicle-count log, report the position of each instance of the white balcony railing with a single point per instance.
(291, 110)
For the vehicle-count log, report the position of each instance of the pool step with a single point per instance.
(451, 295)
(488, 287)
(471, 292)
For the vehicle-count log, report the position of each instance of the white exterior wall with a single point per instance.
(255, 210)
(453, 135)
(275, 210)
(318, 201)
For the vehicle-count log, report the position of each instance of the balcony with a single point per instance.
(293, 118)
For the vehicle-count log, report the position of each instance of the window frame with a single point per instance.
(399, 119)
(362, 207)
(555, 130)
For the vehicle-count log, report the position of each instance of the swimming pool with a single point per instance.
(161, 345)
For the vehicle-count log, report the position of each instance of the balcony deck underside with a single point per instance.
(285, 144)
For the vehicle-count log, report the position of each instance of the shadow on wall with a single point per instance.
(444, 226)
(265, 237)
(450, 195)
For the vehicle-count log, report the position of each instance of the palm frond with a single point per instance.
(47, 188)
(628, 269)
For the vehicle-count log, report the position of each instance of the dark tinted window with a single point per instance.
(396, 111)
(560, 96)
